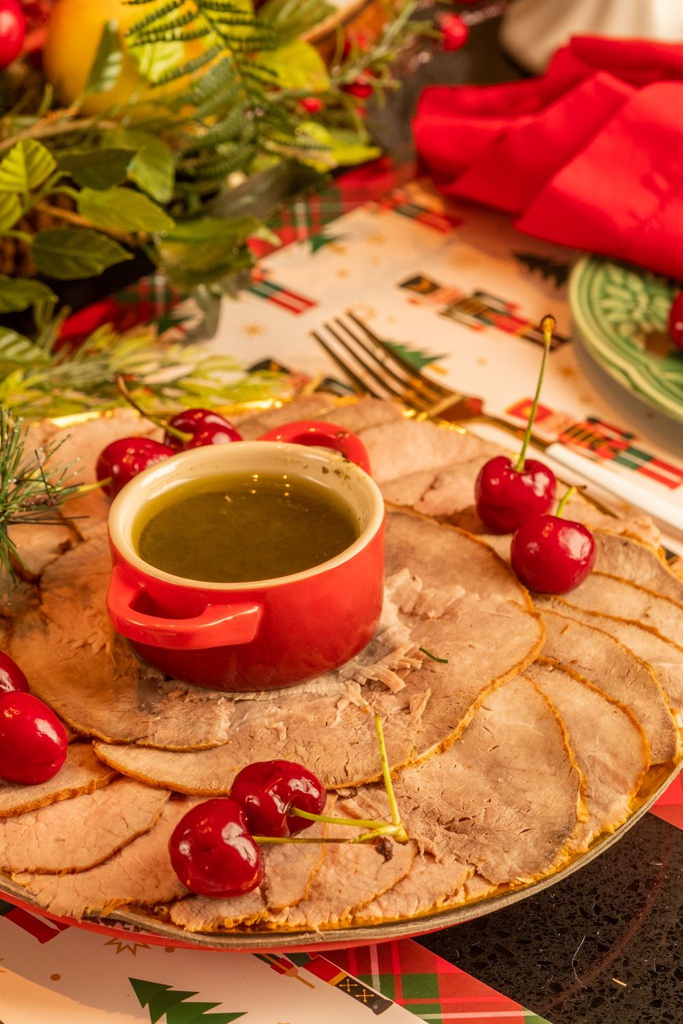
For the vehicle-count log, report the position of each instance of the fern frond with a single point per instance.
(219, 164)
(227, 130)
(190, 66)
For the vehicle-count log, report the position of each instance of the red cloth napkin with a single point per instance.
(589, 155)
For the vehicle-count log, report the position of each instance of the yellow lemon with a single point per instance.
(73, 36)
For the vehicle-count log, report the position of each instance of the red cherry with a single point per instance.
(552, 555)
(204, 427)
(505, 496)
(33, 742)
(268, 790)
(121, 460)
(11, 676)
(213, 853)
(12, 31)
(455, 32)
(676, 321)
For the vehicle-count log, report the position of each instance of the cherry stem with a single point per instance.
(393, 828)
(122, 387)
(565, 499)
(548, 324)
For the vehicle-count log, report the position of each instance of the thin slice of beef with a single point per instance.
(629, 559)
(76, 834)
(625, 600)
(663, 656)
(139, 873)
(505, 798)
(609, 745)
(82, 772)
(612, 667)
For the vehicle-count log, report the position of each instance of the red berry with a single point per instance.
(360, 88)
(505, 497)
(552, 555)
(455, 32)
(268, 790)
(213, 853)
(204, 427)
(676, 321)
(11, 676)
(33, 742)
(121, 460)
(311, 104)
(12, 31)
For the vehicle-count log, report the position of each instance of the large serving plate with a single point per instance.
(149, 927)
(146, 928)
(620, 316)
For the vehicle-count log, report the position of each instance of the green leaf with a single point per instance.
(154, 60)
(17, 293)
(342, 147)
(10, 210)
(121, 209)
(97, 168)
(298, 65)
(152, 168)
(27, 166)
(16, 351)
(108, 61)
(207, 249)
(71, 253)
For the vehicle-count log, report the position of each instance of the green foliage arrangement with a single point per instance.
(186, 179)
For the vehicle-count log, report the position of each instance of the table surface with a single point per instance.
(603, 944)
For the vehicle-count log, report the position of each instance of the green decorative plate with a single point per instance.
(620, 317)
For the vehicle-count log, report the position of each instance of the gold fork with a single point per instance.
(375, 368)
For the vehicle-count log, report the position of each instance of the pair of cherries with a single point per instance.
(549, 554)
(123, 459)
(33, 741)
(212, 848)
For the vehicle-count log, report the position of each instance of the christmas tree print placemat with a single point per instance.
(55, 975)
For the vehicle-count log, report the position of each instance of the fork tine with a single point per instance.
(360, 386)
(439, 391)
(373, 368)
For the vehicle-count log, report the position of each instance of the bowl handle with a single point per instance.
(325, 434)
(219, 624)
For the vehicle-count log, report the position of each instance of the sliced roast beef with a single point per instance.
(629, 559)
(612, 667)
(76, 834)
(663, 656)
(608, 743)
(505, 798)
(82, 772)
(625, 600)
(139, 873)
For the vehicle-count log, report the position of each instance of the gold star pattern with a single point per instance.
(253, 330)
(342, 273)
(377, 239)
(126, 947)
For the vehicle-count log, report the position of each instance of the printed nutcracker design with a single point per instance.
(328, 972)
(479, 309)
(603, 440)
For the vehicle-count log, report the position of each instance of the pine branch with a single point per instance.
(31, 489)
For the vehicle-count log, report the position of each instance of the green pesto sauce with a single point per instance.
(246, 527)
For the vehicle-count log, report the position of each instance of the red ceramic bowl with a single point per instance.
(269, 633)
